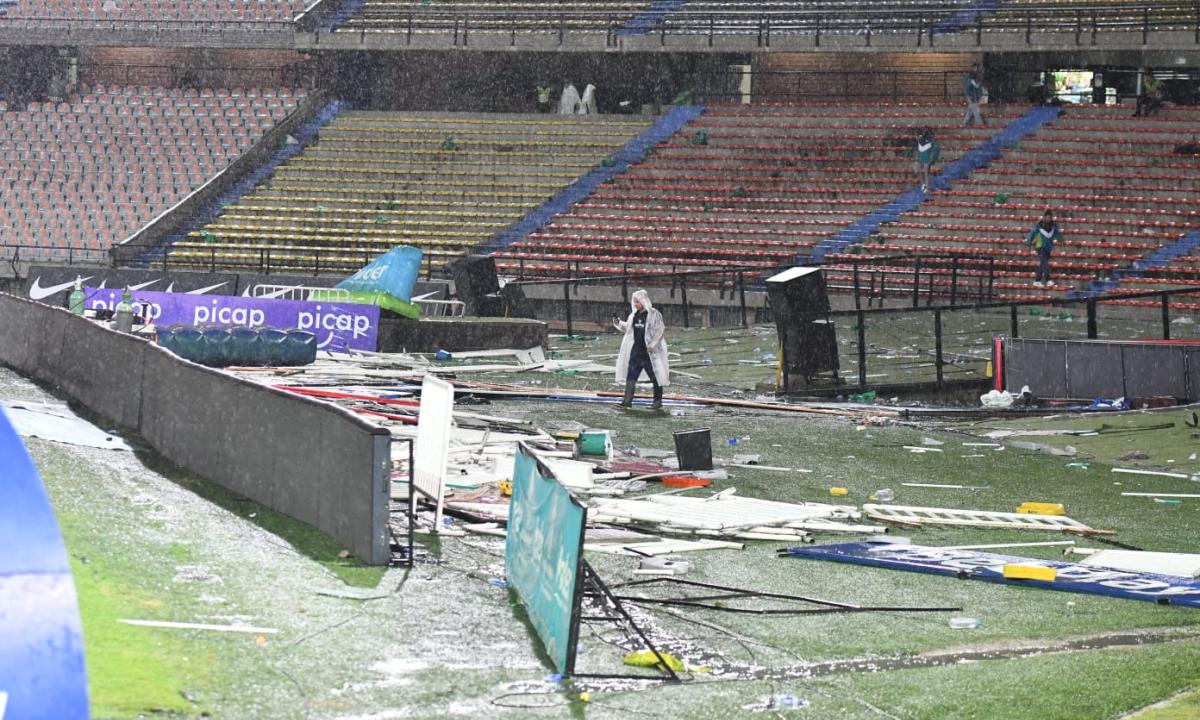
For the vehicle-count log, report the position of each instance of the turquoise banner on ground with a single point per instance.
(543, 555)
(394, 272)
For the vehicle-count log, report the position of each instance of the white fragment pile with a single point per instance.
(728, 515)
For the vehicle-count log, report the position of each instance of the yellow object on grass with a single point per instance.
(645, 658)
(1042, 508)
(1029, 572)
(838, 491)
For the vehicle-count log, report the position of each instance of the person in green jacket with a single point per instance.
(1042, 238)
(1149, 100)
(925, 153)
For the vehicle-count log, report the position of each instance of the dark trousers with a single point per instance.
(1043, 272)
(638, 363)
(1147, 104)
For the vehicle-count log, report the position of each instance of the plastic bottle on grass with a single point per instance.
(884, 495)
(965, 623)
(785, 701)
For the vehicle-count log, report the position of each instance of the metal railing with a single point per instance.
(882, 85)
(929, 275)
(15, 253)
(1085, 22)
(429, 306)
(875, 282)
(266, 260)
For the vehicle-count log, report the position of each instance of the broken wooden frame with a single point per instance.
(406, 549)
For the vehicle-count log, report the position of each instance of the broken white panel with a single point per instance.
(659, 547)
(1157, 473)
(527, 356)
(433, 441)
(3, 703)
(494, 511)
(200, 626)
(1160, 495)
(575, 474)
(485, 529)
(56, 423)
(576, 365)
(718, 513)
(996, 546)
(1160, 563)
(906, 514)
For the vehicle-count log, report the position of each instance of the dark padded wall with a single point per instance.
(1153, 370)
(1098, 368)
(1094, 371)
(310, 460)
(100, 369)
(1040, 364)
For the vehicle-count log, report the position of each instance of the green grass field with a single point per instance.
(149, 542)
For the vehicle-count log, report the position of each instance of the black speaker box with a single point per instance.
(475, 279)
(809, 341)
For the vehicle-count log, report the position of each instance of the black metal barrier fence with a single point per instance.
(920, 276)
(931, 323)
(916, 342)
(310, 460)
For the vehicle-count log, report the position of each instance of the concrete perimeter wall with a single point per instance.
(310, 460)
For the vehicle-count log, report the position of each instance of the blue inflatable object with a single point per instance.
(42, 673)
(394, 272)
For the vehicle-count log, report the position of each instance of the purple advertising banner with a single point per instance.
(336, 325)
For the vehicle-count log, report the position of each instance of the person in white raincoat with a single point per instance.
(643, 351)
(587, 104)
(569, 102)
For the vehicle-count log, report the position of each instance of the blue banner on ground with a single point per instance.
(41, 649)
(976, 565)
(543, 555)
(394, 272)
(336, 325)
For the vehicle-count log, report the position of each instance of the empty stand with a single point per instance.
(1117, 188)
(92, 170)
(743, 185)
(440, 181)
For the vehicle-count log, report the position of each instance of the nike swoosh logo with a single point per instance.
(37, 292)
(132, 288)
(204, 291)
(171, 287)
